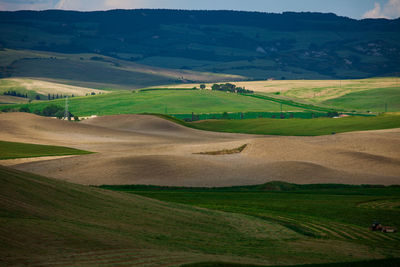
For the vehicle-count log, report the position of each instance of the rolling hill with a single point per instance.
(144, 149)
(95, 71)
(137, 48)
(32, 89)
(49, 222)
(350, 94)
(45, 222)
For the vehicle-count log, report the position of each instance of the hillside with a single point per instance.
(160, 101)
(94, 70)
(47, 222)
(250, 45)
(144, 149)
(350, 94)
(32, 89)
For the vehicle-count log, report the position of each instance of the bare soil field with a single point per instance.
(143, 149)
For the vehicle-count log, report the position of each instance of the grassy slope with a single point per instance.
(12, 150)
(372, 100)
(159, 101)
(50, 221)
(301, 127)
(362, 95)
(373, 263)
(337, 212)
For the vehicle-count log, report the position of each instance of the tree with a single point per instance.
(333, 114)
(37, 97)
(53, 111)
(202, 86)
(215, 87)
(24, 109)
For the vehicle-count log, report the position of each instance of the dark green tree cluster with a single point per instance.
(53, 111)
(228, 87)
(332, 114)
(15, 93)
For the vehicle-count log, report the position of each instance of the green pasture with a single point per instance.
(373, 263)
(375, 100)
(300, 127)
(255, 115)
(12, 150)
(321, 211)
(52, 222)
(160, 101)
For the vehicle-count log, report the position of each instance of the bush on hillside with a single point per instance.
(228, 87)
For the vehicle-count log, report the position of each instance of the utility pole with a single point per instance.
(66, 114)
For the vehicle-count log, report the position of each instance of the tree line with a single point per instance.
(56, 96)
(49, 111)
(15, 93)
(229, 87)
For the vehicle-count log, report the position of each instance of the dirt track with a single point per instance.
(139, 149)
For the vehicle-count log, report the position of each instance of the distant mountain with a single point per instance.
(250, 44)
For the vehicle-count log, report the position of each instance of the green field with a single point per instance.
(12, 150)
(249, 115)
(316, 212)
(161, 101)
(360, 95)
(51, 222)
(372, 100)
(300, 127)
(373, 263)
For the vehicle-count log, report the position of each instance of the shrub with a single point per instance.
(52, 111)
(24, 109)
